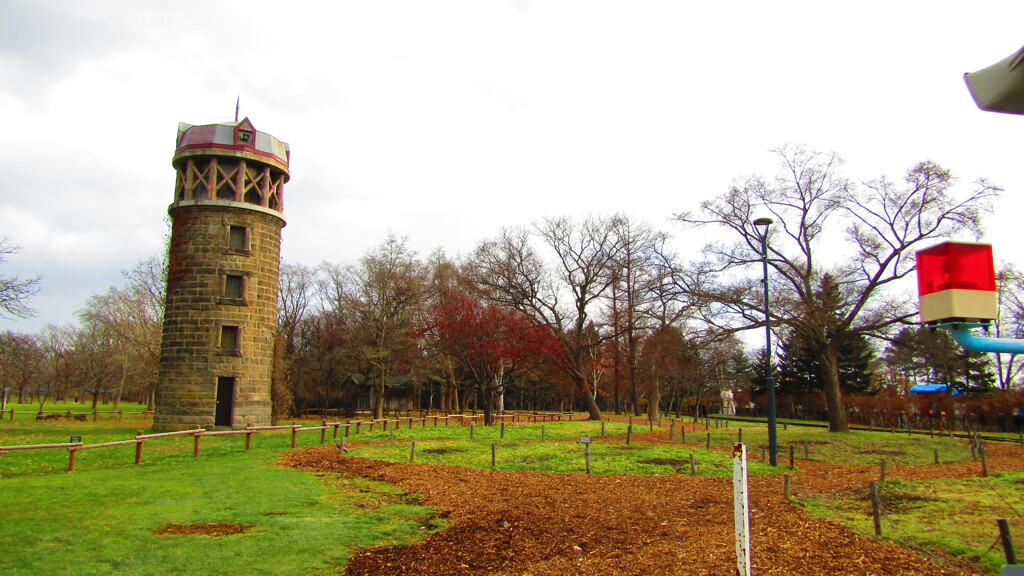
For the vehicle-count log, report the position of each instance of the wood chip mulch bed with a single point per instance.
(214, 529)
(534, 523)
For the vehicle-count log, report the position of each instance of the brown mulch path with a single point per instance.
(534, 523)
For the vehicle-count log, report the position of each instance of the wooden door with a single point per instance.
(225, 399)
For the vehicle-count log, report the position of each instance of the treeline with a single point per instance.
(593, 314)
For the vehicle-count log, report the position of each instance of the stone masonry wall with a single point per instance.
(191, 360)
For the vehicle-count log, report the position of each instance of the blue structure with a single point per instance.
(933, 389)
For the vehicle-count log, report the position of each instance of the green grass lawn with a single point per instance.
(958, 516)
(28, 411)
(102, 517)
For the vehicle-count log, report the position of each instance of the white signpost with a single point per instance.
(741, 508)
(585, 440)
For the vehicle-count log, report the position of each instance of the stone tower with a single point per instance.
(217, 352)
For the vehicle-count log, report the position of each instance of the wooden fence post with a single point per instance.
(195, 446)
(71, 458)
(138, 448)
(494, 454)
(1004, 535)
(412, 452)
(984, 462)
(875, 508)
(295, 434)
(323, 432)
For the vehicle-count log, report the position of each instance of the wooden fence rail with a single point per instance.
(83, 416)
(197, 433)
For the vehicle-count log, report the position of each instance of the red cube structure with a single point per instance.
(956, 282)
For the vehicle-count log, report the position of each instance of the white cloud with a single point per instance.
(443, 121)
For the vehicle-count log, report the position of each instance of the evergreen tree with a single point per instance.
(926, 355)
(855, 357)
(800, 372)
(759, 373)
(741, 370)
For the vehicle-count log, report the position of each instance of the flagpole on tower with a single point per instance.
(238, 100)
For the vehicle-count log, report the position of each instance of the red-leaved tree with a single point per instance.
(490, 346)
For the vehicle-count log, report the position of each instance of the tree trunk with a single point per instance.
(378, 402)
(654, 399)
(120, 385)
(487, 394)
(634, 395)
(829, 359)
(589, 401)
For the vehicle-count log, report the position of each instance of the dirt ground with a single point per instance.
(533, 523)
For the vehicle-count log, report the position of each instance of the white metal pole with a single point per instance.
(741, 508)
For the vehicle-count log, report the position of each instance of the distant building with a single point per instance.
(216, 356)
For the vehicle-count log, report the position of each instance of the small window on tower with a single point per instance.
(244, 137)
(238, 238)
(233, 287)
(229, 339)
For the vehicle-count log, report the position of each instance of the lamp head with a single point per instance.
(763, 222)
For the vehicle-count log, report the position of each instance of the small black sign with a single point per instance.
(75, 439)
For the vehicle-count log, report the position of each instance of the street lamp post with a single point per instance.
(773, 442)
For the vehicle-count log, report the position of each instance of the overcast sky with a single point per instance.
(446, 120)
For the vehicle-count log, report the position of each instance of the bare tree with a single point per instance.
(1010, 324)
(383, 294)
(98, 360)
(635, 275)
(296, 290)
(295, 294)
(564, 295)
(57, 343)
(836, 250)
(130, 320)
(21, 363)
(15, 292)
